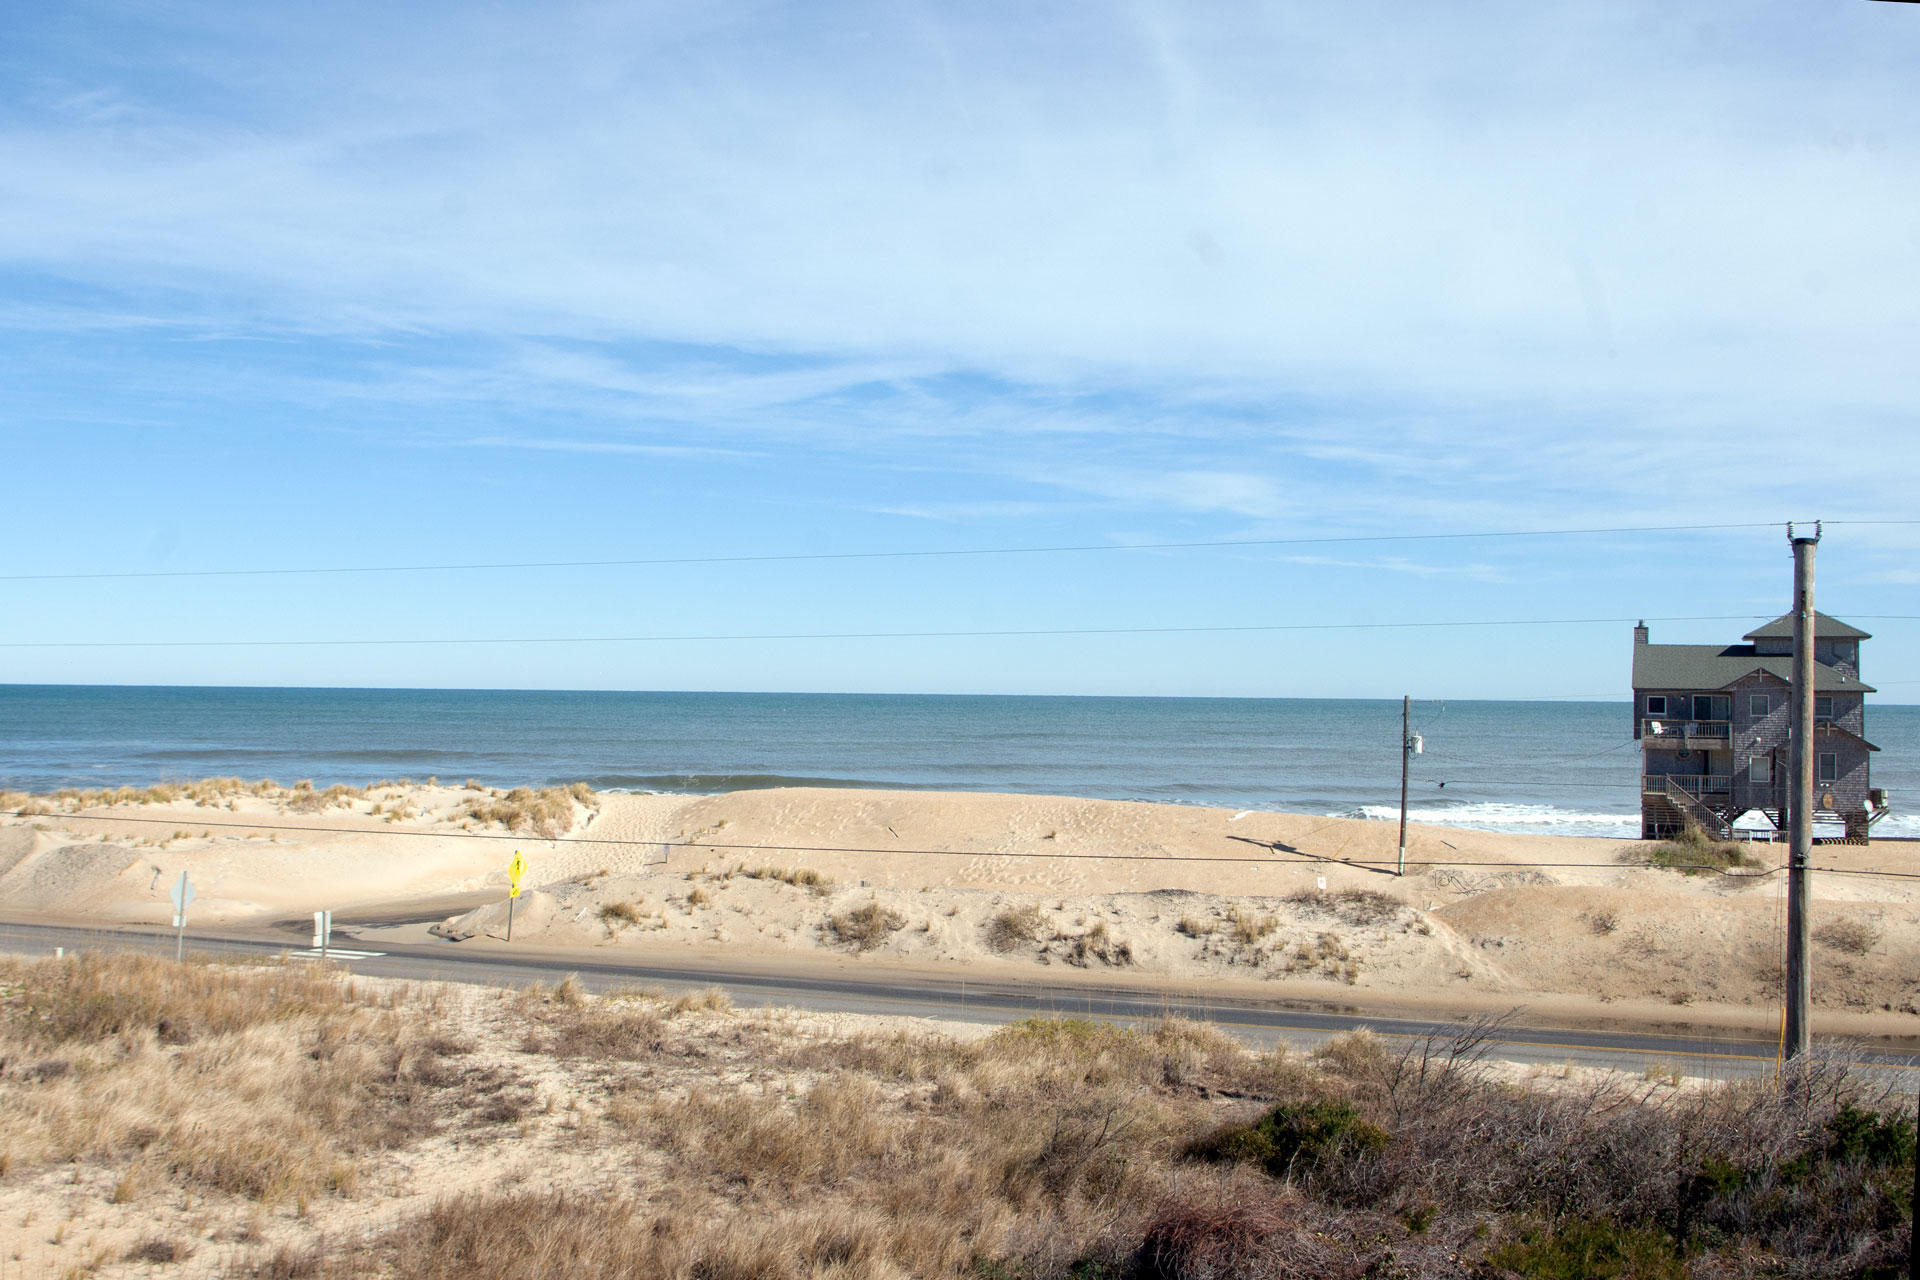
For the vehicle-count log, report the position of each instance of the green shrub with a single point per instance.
(1591, 1249)
(1295, 1137)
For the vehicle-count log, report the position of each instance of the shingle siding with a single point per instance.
(1739, 673)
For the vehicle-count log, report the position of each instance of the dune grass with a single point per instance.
(548, 813)
(864, 928)
(1063, 1149)
(265, 1083)
(1692, 852)
(774, 1146)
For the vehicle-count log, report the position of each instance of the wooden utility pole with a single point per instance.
(1800, 802)
(1406, 755)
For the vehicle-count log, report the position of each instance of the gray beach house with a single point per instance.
(1713, 723)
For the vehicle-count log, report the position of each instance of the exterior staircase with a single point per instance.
(1669, 809)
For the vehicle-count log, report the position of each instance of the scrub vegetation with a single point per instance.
(548, 813)
(679, 1137)
(1693, 852)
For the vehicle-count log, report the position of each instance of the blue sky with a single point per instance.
(288, 286)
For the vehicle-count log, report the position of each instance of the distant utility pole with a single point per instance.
(1800, 801)
(1406, 757)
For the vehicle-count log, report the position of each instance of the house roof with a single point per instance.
(1819, 728)
(1824, 628)
(1721, 666)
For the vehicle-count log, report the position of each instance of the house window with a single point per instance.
(1823, 708)
(1760, 770)
(1829, 766)
(1656, 704)
(1760, 705)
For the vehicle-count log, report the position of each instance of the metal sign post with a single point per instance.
(182, 895)
(322, 932)
(516, 870)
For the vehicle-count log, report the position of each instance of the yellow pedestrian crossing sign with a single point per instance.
(515, 870)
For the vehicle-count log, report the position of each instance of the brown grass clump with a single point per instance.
(158, 1249)
(1016, 926)
(1194, 927)
(865, 928)
(1693, 852)
(1247, 927)
(304, 799)
(1356, 907)
(548, 813)
(799, 877)
(1850, 934)
(1097, 943)
(617, 914)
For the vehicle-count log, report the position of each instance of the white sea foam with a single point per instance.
(1522, 819)
(1898, 824)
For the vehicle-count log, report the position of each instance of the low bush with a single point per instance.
(1591, 1249)
(1295, 1138)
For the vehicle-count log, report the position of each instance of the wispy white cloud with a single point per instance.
(1402, 564)
(1351, 263)
(554, 444)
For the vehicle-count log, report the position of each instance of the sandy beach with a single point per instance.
(1294, 905)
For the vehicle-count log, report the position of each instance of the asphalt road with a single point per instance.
(964, 999)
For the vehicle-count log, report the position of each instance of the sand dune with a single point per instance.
(1293, 904)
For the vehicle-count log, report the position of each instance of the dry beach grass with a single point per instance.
(289, 1121)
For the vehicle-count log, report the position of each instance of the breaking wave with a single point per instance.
(1519, 819)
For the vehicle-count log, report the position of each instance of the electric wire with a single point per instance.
(179, 821)
(792, 557)
(860, 635)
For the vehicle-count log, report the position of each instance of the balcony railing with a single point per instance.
(1680, 731)
(1695, 784)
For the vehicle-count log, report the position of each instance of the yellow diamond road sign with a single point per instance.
(515, 870)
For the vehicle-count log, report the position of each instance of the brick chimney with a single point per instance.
(1640, 632)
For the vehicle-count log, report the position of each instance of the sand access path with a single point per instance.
(1271, 904)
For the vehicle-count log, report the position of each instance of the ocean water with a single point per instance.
(1566, 768)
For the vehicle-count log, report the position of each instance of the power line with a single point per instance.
(186, 820)
(784, 558)
(791, 557)
(865, 635)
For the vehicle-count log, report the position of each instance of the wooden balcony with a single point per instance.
(1694, 784)
(1684, 733)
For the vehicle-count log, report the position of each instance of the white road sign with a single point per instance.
(182, 897)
